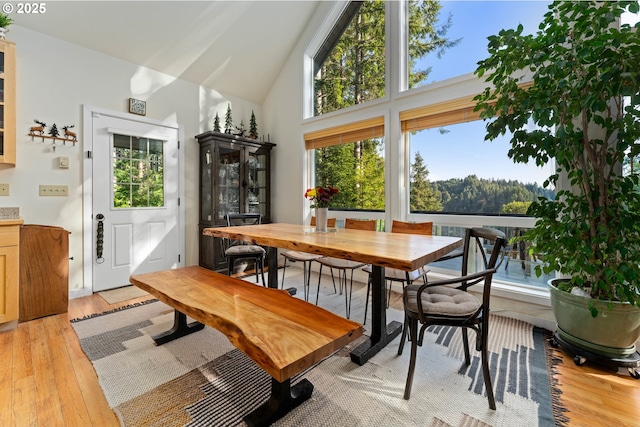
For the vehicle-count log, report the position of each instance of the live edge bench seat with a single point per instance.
(281, 334)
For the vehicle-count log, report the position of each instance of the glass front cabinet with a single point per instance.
(234, 178)
(7, 102)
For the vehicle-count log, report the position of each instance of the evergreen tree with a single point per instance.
(353, 73)
(216, 123)
(426, 37)
(253, 126)
(53, 130)
(423, 197)
(228, 121)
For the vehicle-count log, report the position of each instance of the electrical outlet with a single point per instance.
(4, 189)
(54, 190)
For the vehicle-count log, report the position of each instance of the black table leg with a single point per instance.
(272, 274)
(283, 399)
(180, 329)
(381, 333)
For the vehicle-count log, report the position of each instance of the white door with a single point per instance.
(136, 219)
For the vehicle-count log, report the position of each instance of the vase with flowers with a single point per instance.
(320, 199)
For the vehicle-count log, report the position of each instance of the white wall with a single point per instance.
(54, 80)
(283, 110)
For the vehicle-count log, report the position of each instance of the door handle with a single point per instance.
(99, 239)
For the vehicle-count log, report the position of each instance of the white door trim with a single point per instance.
(87, 187)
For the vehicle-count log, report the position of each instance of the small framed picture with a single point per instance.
(137, 107)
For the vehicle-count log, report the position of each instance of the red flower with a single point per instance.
(320, 196)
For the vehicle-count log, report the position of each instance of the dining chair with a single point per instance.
(393, 274)
(438, 303)
(343, 265)
(235, 250)
(306, 259)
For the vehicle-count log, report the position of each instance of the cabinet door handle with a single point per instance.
(99, 239)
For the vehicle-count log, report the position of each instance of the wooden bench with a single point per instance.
(281, 334)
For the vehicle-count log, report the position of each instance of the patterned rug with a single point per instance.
(202, 380)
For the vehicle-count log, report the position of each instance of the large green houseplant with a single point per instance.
(584, 67)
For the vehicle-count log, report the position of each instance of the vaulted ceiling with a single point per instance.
(234, 47)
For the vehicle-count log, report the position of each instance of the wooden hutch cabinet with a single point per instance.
(7, 102)
(235, 177)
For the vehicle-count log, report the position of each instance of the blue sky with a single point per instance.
(462, 151)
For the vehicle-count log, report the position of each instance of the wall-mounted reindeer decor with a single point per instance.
(54, 133)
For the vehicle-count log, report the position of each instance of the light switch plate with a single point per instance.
(54, 190)
(63, 162)
(4, 189)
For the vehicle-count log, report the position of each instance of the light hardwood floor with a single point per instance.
(46, 380)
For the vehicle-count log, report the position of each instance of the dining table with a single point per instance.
(381, 250)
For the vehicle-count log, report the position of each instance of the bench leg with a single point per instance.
(283, 399)
(180, 329)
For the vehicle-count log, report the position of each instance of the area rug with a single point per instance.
(202, 380)
(114, 296)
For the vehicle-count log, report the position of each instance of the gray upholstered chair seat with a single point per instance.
(442, 301)
(301, 256)
(340, 263)
(245, 250)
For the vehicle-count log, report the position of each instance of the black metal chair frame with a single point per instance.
(478, 321)
(258, 255)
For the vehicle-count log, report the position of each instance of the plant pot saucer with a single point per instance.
(631, 362)
(596, 349)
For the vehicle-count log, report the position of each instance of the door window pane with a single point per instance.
(138, 172)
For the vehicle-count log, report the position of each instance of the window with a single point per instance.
(430, 141)
(351, 158)
(454, 171)
(349, 67)
(453, 35)
(138, 172)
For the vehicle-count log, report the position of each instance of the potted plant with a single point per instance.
(5, 21)
(584, 67)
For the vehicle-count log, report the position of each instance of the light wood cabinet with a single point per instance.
(44, 271)
(7, 102)
(9, 269)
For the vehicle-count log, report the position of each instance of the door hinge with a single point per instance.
(178, 201)
(89, 154)
(179, 258)
(178, 144)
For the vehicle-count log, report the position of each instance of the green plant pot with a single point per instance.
(612, 333)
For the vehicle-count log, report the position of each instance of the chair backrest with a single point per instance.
(237, 220)
(489, 254)
(243, 219)
(331, 222)
(360, 224)
(424, 228)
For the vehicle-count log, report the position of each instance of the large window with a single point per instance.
(454, 171)
(455, 34)
(349, 68)
(357, 170)
(427, 159)
(351, 158)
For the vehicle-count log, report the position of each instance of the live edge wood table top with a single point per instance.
(282, 334)
(394, 250)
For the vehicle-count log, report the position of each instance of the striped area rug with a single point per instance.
(202, 380)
